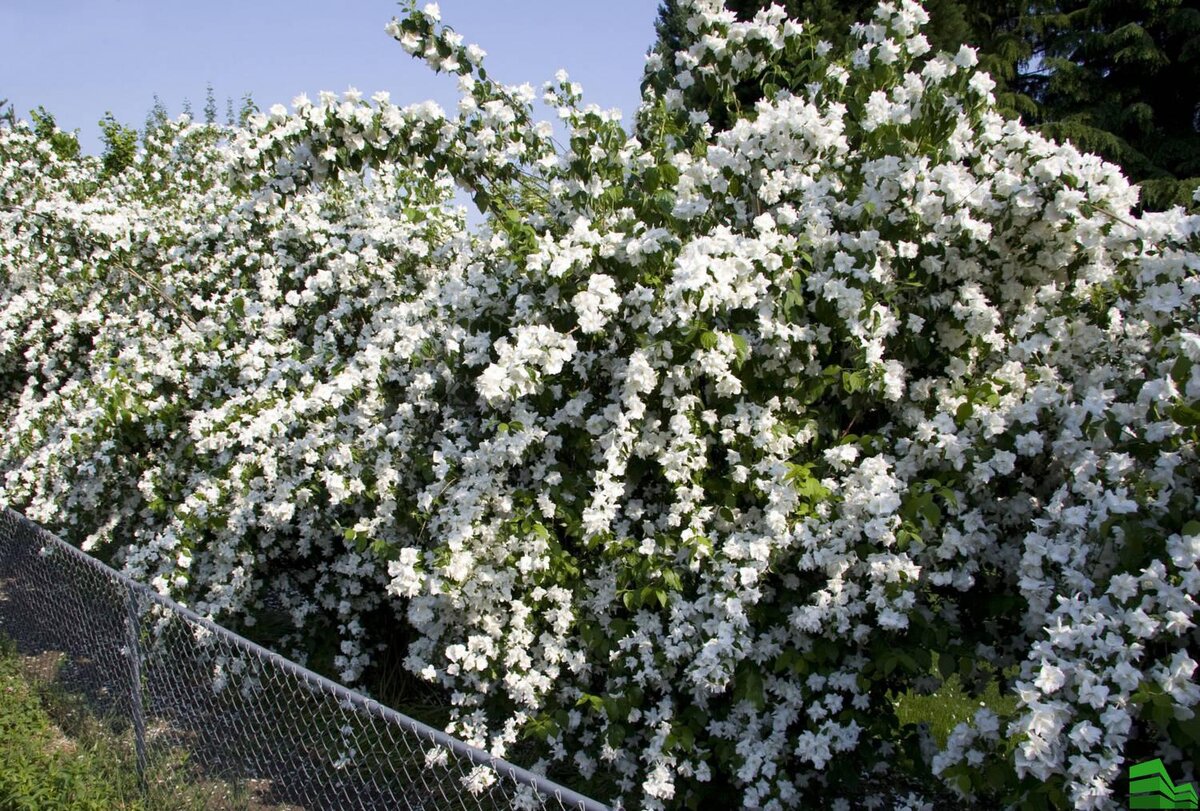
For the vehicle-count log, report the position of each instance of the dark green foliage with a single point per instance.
(996, 27)
(64, 144)
(1120, 78)
(155, 118)
(210, 105)
(120, 145)
(672, 34)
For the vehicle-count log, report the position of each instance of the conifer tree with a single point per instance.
(998, 28)
(1121, 79)
(155, 118)
(210, 105)
(120, 145)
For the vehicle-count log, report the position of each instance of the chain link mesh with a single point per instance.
(230, 712)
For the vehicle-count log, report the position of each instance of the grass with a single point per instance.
(950, 705)
(40, 767)
(56, 753)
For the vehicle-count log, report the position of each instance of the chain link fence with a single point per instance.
(206, 701)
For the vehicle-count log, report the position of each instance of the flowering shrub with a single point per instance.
(696, 453)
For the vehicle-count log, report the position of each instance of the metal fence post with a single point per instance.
(233, 710)
(133, 622)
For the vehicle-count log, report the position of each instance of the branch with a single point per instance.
(162, 294)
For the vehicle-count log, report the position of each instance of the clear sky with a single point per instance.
(80, 58)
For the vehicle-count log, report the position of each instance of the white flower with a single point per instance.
(982, 83)
(595, 304)
(1085, 735)
(1050, 678)
(966, 58)
(842, 456)
(597, 444)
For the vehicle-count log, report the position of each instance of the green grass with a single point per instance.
(40, 767)
(56, 753)
(949, 706)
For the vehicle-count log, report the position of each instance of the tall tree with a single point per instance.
(1117, 77)
(120, 145)
(998, 28)
(155, 118)
(1122, 79)
(210, 105)
(64, 144)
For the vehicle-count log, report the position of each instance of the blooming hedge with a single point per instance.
(696, 453)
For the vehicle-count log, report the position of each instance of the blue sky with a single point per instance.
(79, 58)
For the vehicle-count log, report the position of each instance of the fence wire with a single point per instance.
(206, 701)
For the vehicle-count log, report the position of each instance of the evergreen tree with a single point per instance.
(210, 105)
(998, 28)
(120, 145)
(64, 144)
(155, 118)
(1122, 79)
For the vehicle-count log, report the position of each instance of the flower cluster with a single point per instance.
(704, 446)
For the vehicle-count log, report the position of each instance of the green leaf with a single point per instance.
(929, 510)
(740, 344)
(1182, 370)
(594, 702)
(1190, 730)
(664, 201)
(1186, 415)
(749, 686)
